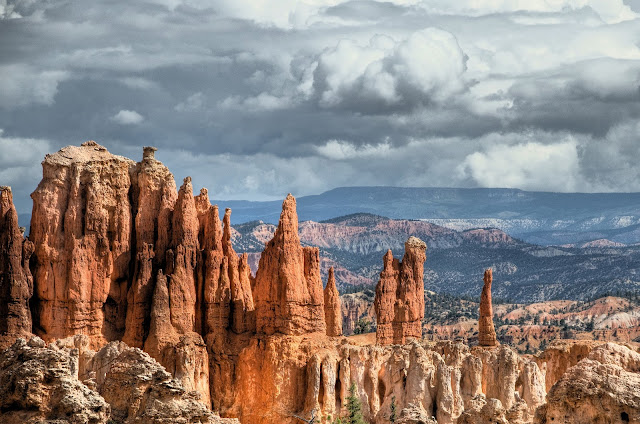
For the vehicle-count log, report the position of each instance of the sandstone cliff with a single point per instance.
(602, 388)
(399, 301)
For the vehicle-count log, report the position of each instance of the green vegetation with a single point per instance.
(363, 325)
(393, 415)
(354, 407)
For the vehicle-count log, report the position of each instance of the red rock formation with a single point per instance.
(399, 301)
(172, 338)
(288, 290)
(16, 282)
(486, 331)
(154, 197)
(242, 307)
(332, 308)
(81, 227)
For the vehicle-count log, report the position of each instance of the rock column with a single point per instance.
(486, 331)
(399, 301)
(332, 308)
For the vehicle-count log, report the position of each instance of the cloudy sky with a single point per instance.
(257, 98)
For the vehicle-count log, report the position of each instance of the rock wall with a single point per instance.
(399, 301)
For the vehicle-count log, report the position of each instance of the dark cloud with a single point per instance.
(258, 99)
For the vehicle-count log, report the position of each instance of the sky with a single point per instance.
(256, 98)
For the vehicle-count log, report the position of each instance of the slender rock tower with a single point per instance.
(486, 331)
(332, 309)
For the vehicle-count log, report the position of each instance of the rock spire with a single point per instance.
(332, 307)
(288, 289)
(486, 331)
(16, 282)
(399, 301)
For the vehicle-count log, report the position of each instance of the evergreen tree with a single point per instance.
(393, 416)
(354, 407)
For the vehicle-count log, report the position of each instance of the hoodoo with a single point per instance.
(486, 330)
(332, 308)
(288, 291)
(399, 300)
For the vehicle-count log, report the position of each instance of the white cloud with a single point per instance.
(20, 166)
(22, 85)
(192, 103)
(529, 166)
(610, 11)
(127, 117)
(341, 150)
(427, 66)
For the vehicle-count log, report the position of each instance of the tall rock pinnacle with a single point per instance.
(486, 331)
(288, 289)
(399, 300)
(16, 282)
(332, 308)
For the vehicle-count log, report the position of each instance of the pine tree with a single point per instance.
(393, 414)
(354, 407)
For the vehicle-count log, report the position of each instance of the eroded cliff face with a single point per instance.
(604, 387)
(67, 382)
(285, 375)
(16, 282)
(399, 301)
(81, 227)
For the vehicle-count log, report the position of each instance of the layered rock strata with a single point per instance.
(288, 289)
(332, 307)
(486, 330)
(399, 301)
(16, 282)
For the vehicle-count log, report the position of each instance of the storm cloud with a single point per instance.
(257, 99)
